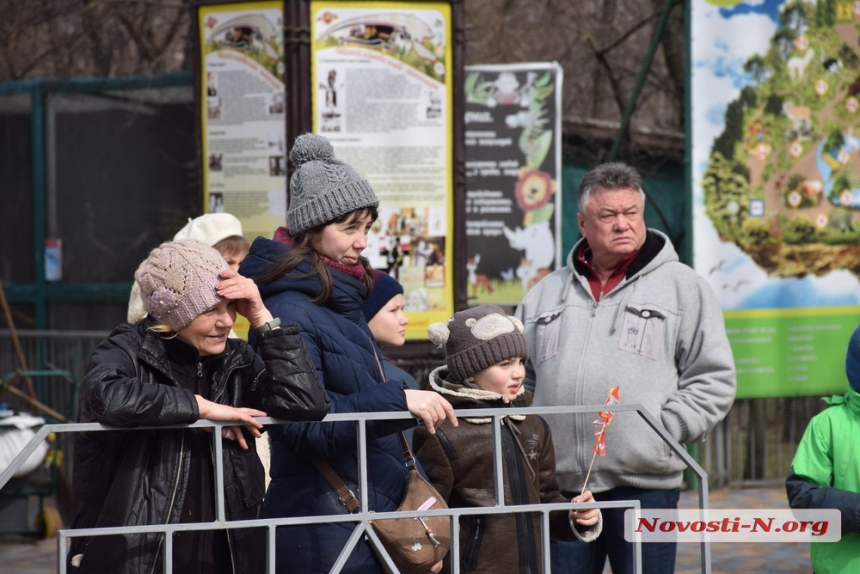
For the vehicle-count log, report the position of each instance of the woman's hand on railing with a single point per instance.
(212, 411)
(430, 407)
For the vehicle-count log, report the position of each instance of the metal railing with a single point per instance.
(753, 446)
(364, 515)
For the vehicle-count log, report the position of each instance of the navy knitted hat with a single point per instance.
(385, 287)
(323, 188)
(852, 360)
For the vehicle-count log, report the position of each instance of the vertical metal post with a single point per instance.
(37, 124)
(688, 139)
(640, 79)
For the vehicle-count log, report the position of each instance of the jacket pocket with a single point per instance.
(469, 559)
(249, 475)
(642, 331)
(547, 330)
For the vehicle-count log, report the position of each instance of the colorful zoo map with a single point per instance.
(775, 97)
(783, 181)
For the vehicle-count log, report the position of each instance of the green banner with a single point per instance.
(789, 352)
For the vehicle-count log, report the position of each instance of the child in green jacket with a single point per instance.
(825, 472)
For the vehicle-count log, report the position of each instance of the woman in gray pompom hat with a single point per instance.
(314, 274)
(178, 366)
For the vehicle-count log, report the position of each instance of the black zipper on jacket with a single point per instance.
(175, 488)
(173, 493)
(519, 495)
(215, 399)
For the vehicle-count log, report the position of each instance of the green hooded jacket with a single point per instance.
(825, 473)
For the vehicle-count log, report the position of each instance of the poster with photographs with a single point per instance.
(243, 120)
(382, 95)
(513, 177)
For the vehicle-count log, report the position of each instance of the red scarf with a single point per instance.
(282, 235)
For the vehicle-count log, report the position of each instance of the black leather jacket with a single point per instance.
(133, 478)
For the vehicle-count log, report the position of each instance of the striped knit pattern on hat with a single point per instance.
(478, 338)
(852, 360)
(323, 188)
(385, 288)
(177, 281)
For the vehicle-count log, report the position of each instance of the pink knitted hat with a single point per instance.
(177, 281)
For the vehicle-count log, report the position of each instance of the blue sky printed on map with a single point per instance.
(723, 39)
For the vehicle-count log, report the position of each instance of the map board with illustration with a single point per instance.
(775, 98)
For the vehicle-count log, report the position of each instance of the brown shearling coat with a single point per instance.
(459, 463)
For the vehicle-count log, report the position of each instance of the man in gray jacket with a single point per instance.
(624, 311)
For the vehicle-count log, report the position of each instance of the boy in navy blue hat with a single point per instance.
(385, 314)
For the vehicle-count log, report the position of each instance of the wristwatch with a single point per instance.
(267, 326)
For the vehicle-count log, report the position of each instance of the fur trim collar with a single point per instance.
(464, 397)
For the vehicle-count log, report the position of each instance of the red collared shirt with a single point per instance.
(599, 289)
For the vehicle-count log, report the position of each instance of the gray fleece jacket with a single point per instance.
(659, 335)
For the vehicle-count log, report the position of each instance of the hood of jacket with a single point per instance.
(851, 399)
(657, 250)
(348, 293)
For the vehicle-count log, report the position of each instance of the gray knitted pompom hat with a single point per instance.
(323, 188)
(177, 281)
(478, 338)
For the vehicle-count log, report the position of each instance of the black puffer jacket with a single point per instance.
(133, 478)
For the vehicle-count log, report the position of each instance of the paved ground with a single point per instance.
(731, 558)
(28, 556)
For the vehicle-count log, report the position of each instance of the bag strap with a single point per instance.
(346, 496)
(408, 457)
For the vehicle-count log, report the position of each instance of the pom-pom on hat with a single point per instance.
(478, 338)
(385, 287)
(323, 188)
(210, 228)
(177, 281)
(852, 360)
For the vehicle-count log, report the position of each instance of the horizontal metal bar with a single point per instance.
(68, 292)
(354, 517)
(360, 518)
(136, 82)
(61, 335)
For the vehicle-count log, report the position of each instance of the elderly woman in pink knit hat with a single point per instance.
(177, 366)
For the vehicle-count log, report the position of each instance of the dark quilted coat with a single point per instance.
(342, 348)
